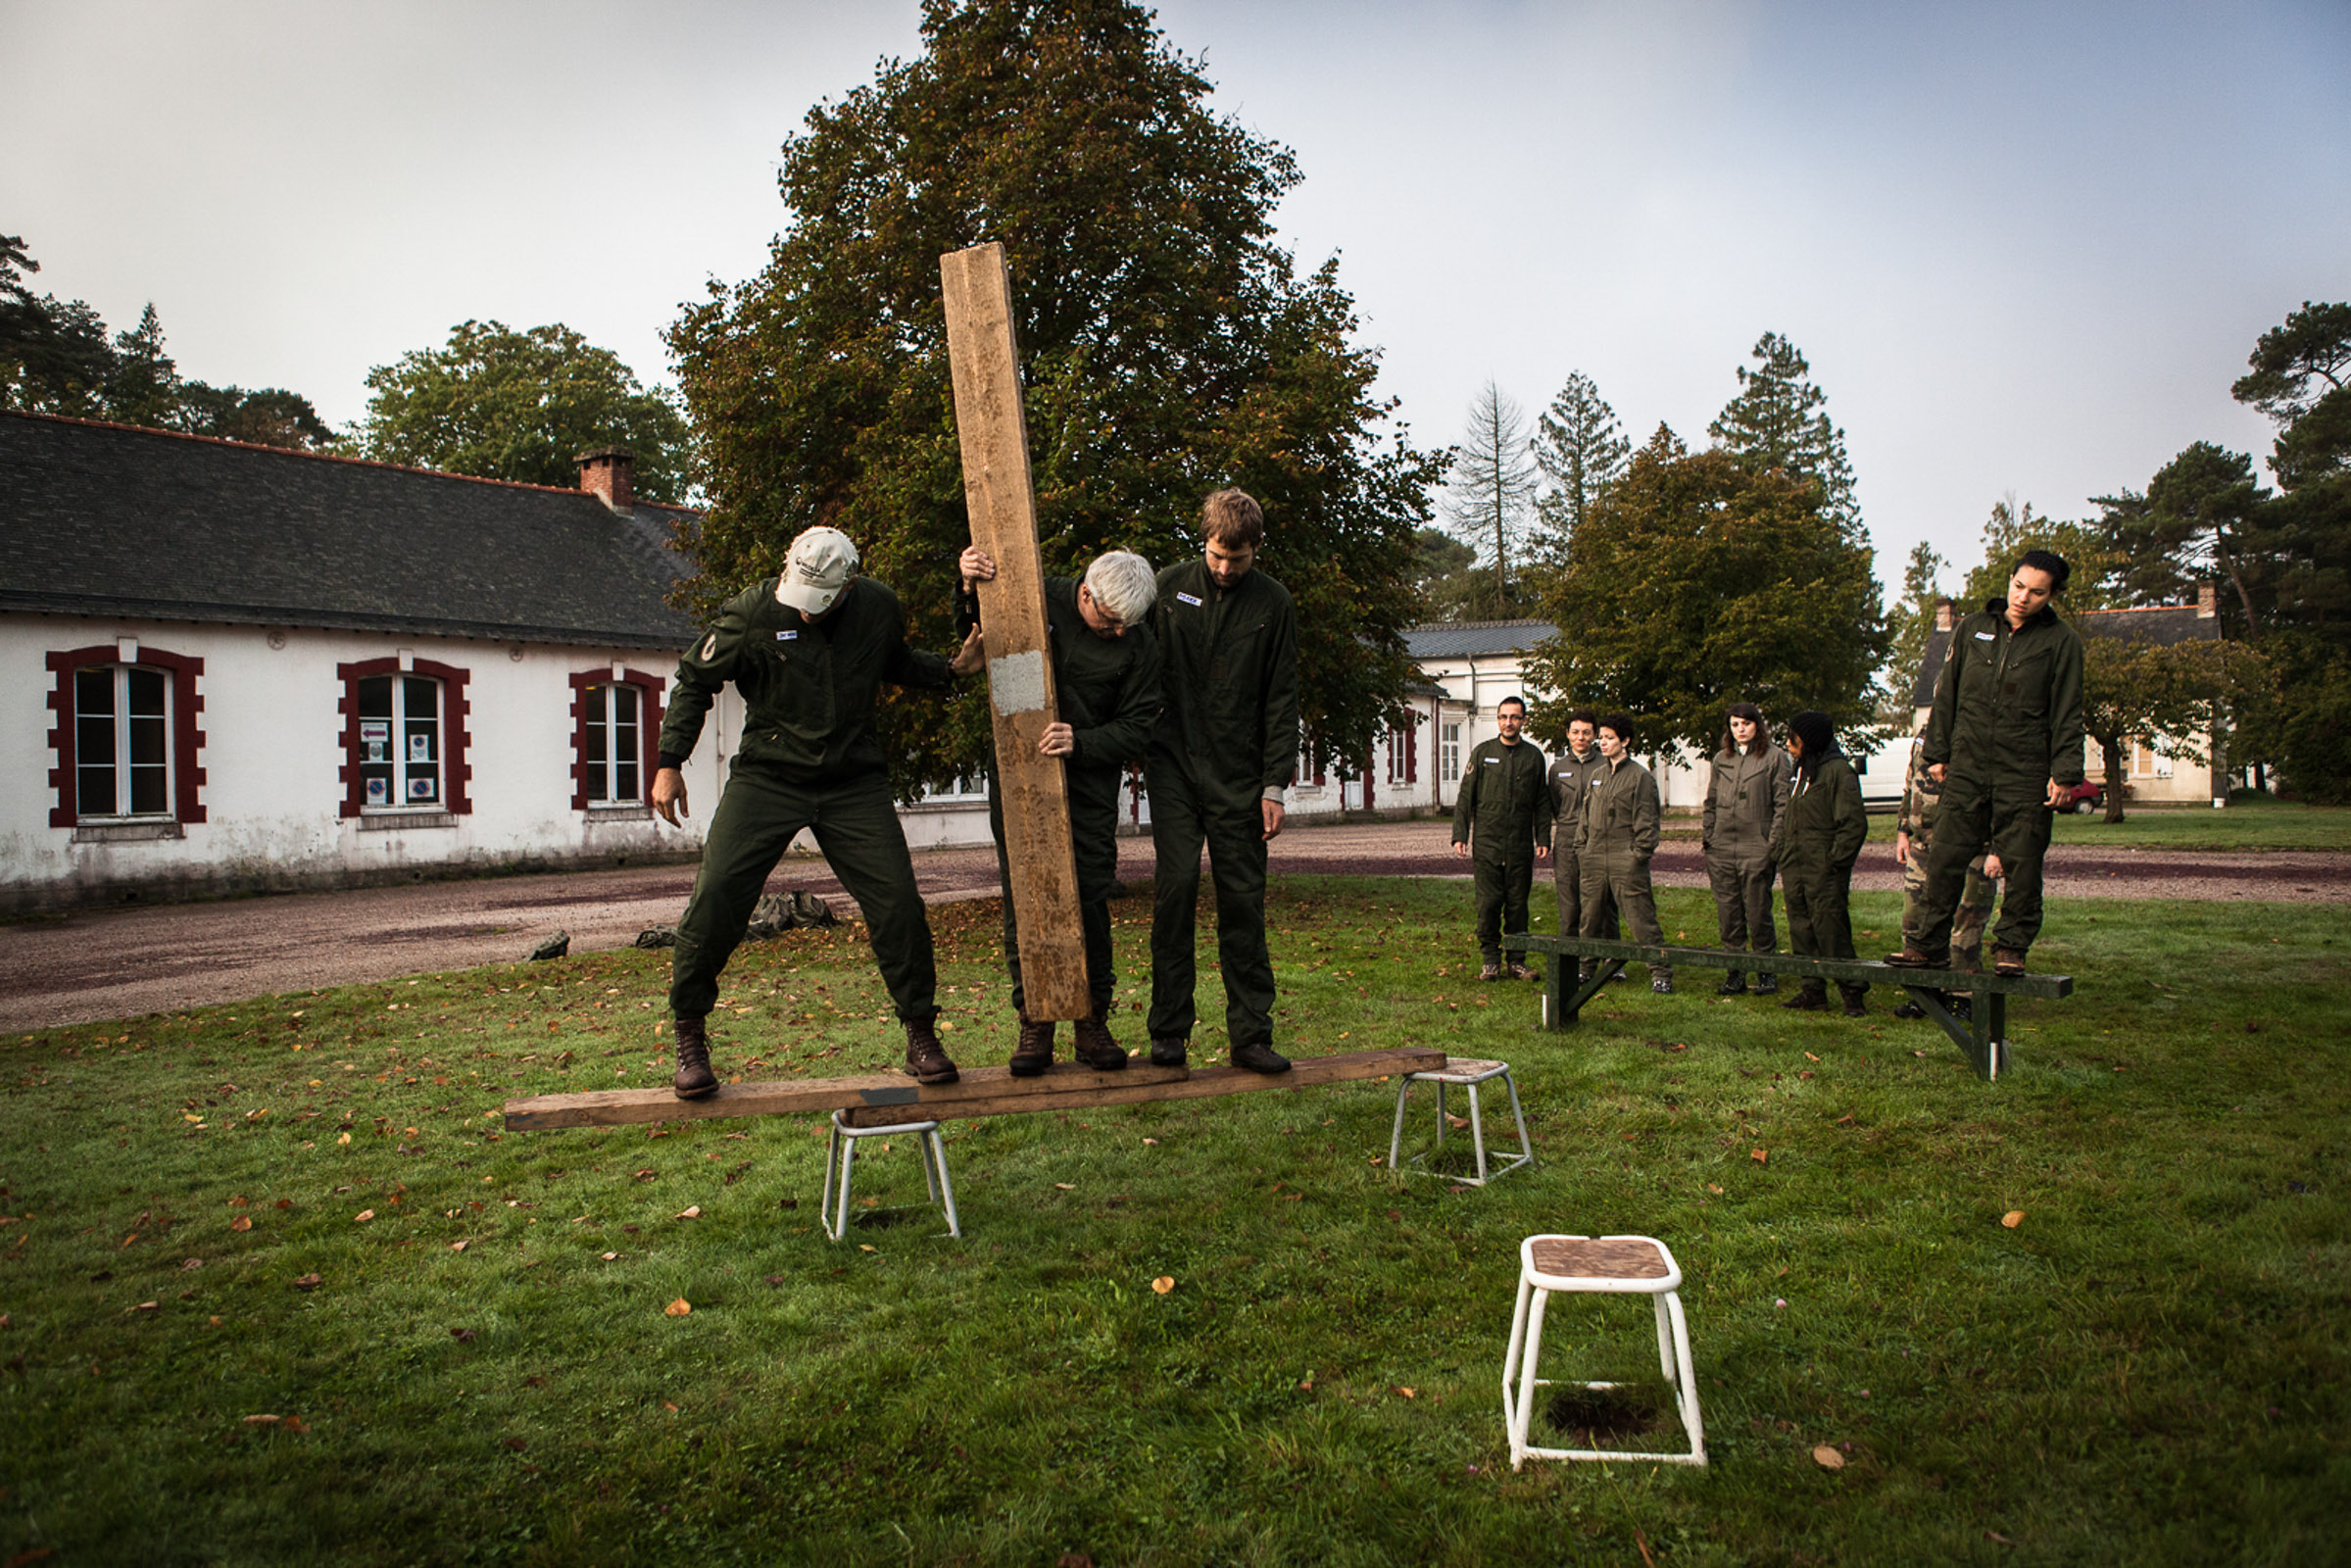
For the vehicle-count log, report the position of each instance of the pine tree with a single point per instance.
(1778, 421)
(1494, 488)
(1581, 449)
(143, 386)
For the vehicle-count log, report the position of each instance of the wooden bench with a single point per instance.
(878, 1100)
(1982, 1036)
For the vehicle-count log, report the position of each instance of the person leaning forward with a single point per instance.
(1106, 665)
(1818, 838)
(2004, 741)
(1571, 774)
(808, 653)
(1503, 822)
(1224, 753)
(1746, 790)
(1623, 819)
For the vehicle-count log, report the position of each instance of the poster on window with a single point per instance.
(419, 789)
(375, 739)
(379, 792)
(419, 748)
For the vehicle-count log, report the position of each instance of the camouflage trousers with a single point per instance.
(1967, 923)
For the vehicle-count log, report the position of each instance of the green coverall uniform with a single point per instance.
(1922, 802)
(1571, 776)
(1818, 838)
(1506, 799)
(1623, 820)
(1746, 790)
(808, 760)
(2007, 720)
(1226, 741)
(1106, 690)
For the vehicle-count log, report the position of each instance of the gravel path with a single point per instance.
(118, 964)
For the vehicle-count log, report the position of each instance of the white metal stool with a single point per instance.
(841, 1152)
(1468, 1072)
(1611, 1265)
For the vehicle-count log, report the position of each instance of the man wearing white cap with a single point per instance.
(808, 653)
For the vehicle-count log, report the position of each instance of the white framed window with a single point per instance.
(611, 744)
(400, 742)
(1449, 755)
(121, 742)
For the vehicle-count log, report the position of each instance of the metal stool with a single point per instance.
(1613, 1265)
(1469, 1072)
(841, 1152)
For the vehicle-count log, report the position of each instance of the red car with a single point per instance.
(2084, 797)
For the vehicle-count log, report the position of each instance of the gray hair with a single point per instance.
(1123, 584)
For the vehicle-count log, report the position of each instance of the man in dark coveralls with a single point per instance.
(1503, 823)
(1223, 755)
(808, 652)
(2005, 743)
(1106, 688)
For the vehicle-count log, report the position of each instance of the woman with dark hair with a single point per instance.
(1746, 790)
(1817, 841)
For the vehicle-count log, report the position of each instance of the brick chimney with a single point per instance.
(604, 473)
(2208, 601)
(1945, 619)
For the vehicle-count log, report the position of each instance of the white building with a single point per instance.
(230, 667)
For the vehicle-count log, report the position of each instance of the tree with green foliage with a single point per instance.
(54, 354)
(1780, 420)
(270, 416)
(1699, 581)
(1909, 626)
(1166, 346)
(1581, 449)
(500, 404)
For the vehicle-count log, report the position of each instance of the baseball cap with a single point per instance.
(822, 562)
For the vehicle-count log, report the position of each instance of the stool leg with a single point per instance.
(1396, 1138)
(947, 1191)
(923, 1153)
(1439, 1148)
(1528, 1382)
(849, 1165)
(1525, 1145)
(1665, 1341)
(1690, 1421)
(824, 1204)
(1477, 1133)
(1518, 1341)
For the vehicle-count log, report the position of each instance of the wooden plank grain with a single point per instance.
(993, 431)
(1116, 1089)
(901, 1097)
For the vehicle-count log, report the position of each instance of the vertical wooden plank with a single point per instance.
(992, 431)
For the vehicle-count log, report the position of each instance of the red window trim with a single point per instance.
(456, 768)
(188, 735)
(648, 726)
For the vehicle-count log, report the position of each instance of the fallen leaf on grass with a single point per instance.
(2013, 1218)
(363, 1216)
(458, 1246)
(1162, 1284)
(191, 1264)
(1809, 1057)
(308, 1282)
(238, 1202)
(1150, 1142)
(262, 1420)
(243, 1222)
(865, 1247)
(462, 1336)
(611, 1256)
(343, 1138)
(1409, 1394)
(517, 1444)
(1068, 1187)
(692, 1211)
(677, 1309)
(1760, 1157)
(1716, 1191)
(1997, 1538)
(148, 1306)
(1827, 1458)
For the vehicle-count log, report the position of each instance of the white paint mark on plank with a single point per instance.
(1016, 682)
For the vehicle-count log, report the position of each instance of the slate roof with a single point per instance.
(108, 520)
(2161, 624)
(1475, 639)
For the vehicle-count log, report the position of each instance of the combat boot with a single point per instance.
(926, 1059)
(2008, 961)
(1095, 1047)
(694, 1080)
(1170, 1051)
(1035, 1052)
(1909, 1010)
(1855, 1006)
(1767, 985)
(1259, 1059)
(1735, 984)
(1812, 998)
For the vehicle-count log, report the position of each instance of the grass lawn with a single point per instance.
(301, 1208)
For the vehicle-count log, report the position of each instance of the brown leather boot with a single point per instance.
(694, 1080)
(1095, 1047)
(926, 1059)
(1035, 1052)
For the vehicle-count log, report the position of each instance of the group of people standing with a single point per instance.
(1999, 755)
(1192, 670)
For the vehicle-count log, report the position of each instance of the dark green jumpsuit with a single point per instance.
(1623, 820)
(808, 760)
(1818, 838)
(1504, 810)
(1108, 692)
(1227, 733)
(1922, 804)
(1746, 792)
(1570, 777)
(2007, 720)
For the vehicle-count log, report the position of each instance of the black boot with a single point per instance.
(1095, 1047)
(1855, 1006)
(1909, 1010)
(694, 1080)
(1035, 1052)
(926, 1059)
(1259, 1059)
(1735, 984)
(1767, 985)
(1169, 1051)
(1812, 998)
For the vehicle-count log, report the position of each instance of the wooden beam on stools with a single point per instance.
(993, 429)
(879, 1098)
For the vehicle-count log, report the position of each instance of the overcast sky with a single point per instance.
(2026, 247)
